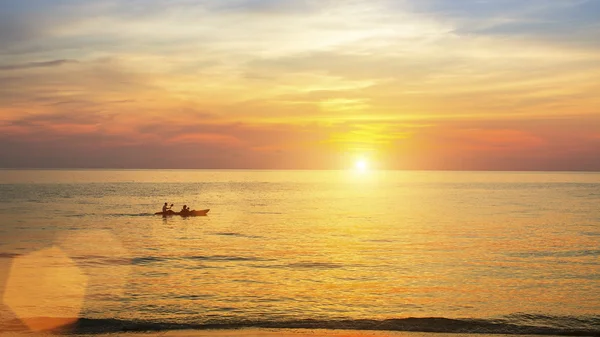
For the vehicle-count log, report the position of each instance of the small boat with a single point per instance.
(201, 212)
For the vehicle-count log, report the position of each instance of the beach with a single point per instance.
(279, 333)
(304, 333)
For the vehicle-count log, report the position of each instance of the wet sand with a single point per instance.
(266, 333)
(302, 333)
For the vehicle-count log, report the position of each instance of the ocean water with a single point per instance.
(514, 253)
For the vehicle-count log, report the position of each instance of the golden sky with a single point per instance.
(427, 84)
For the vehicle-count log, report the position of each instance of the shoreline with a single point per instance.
(411, 326)
(267, 332)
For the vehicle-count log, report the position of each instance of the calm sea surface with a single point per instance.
(489, 252)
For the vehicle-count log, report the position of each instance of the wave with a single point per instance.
(114, 215)
(561, 254)
(145, 260)
(509, 325)
(314, 265)
(9, 255)
(131, 215)
(225, 258)
(234, 234)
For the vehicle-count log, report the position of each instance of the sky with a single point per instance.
(300, 84)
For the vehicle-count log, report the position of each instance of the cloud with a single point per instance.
(569, 23)
(72, 87)
(496, 139)
(559, 143)
(253, 83)
(297, 7)
(155, 146)
(30, 65)
(95, 141)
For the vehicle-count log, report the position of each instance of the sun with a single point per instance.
(361, 165)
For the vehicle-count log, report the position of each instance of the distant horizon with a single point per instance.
(282, 169)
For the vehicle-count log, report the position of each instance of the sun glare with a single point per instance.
(361, 165)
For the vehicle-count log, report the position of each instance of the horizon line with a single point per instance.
(285, 169)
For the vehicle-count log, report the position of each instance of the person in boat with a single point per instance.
(185, 209)
(166, 208)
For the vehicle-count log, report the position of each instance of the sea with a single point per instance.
(451, 252)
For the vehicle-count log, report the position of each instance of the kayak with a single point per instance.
(190, 213)
(201, 212)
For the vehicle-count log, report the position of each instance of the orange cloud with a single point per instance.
(206, 138)
(504, 139)
(71, 129)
